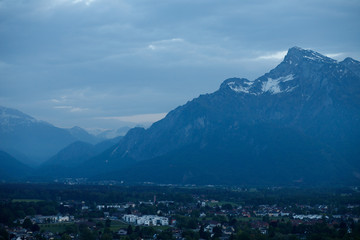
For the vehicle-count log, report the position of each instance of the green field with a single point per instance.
(55, 227)
(117, 225)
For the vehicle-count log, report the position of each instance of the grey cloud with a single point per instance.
(122, 58)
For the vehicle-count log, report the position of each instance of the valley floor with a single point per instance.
(61, 211)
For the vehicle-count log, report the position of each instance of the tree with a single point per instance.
(217, 231)
(65, 237)
(30, 211)
(190, 235)
(4, 235)
(227, 206)
(243, 236)
(107, 223)
(203, 234)
(106, 236)
(129, 230)
(86, 234)
(165, 235)
(71, 229)
(35, 228)
(27, 224)
(99, 225)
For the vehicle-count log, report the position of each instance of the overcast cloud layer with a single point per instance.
(109, 63)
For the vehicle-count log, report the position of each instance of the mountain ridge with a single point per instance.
(309, 95)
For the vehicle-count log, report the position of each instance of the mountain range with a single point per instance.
(296, 125)
(70, 157)
(33, 141)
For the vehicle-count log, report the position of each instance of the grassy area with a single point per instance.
(55, 227)
(162, 228)
(27, 200)
(117, 225)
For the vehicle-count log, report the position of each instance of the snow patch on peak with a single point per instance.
(314, 56)
(238, 88)
(273, 85)
(286, 78)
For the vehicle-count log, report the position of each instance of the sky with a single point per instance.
(105, 64)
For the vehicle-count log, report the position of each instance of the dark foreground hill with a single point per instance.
(299, 123)
(12, 169)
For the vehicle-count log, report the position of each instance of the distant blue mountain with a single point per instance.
(63, 163)
(32, 141)
(82, 135)
(297, 124)
(109, 134)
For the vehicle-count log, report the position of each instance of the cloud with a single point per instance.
(77, 109)
(71, 108)
(128, 57)
(165, 44)
(273, 56)
(63, 107)
(87, 2)
(140, 118)
(335, 55)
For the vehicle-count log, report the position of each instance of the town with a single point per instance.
(163, 212)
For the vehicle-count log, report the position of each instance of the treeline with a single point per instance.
(11, 211)
(92, 193)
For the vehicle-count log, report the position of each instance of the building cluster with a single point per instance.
(39, 219)
(115, 206)
(309, 216)
(20, 233)
(146, 220)
(271, 211)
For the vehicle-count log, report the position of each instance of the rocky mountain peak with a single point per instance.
(350, 60)
(297, 55)
(10, 117)
(301, 70)
(13, 113)
(352, 65)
